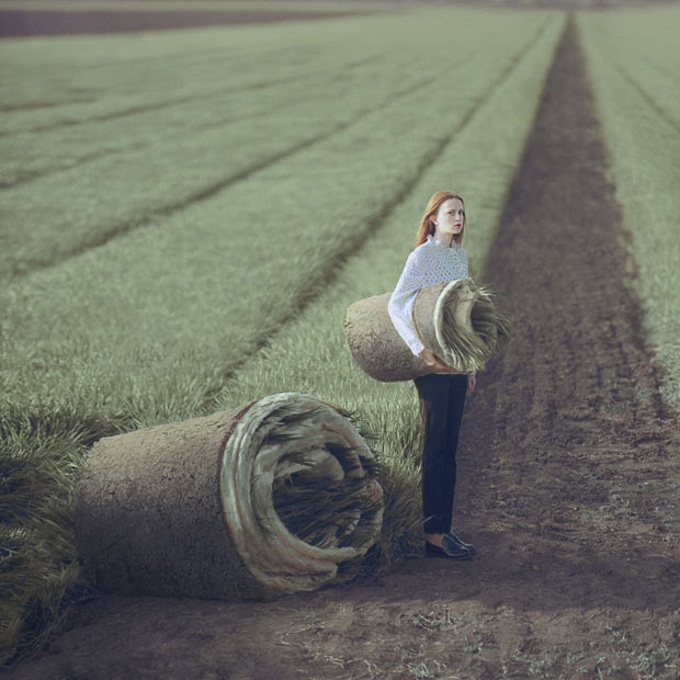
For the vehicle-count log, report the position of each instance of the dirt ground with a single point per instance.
(568, 486)
(22, 23)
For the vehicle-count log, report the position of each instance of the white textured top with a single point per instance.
(429, 264)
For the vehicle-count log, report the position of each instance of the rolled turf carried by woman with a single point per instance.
(276, 496)
(458, 321)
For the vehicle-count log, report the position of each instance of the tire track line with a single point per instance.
(25, 267)
(136, 145)
(28, 177)
(206, 192)
(168, 103)
(19, 108)
(647, 97)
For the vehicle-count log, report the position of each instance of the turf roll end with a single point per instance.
(277, 496)
(458, 321)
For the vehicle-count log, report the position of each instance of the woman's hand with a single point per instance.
(472, 382)
(434, 363)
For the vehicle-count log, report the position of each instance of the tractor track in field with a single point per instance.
(339, 71)
(279, 107)
(338, 74)
(207, 192)
(648, 98)
(25, 177)
(568, 485)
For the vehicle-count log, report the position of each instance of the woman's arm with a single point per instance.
(400, 306)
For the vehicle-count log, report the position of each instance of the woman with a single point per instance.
(437, 258)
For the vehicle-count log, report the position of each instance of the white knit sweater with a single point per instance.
(429, 264)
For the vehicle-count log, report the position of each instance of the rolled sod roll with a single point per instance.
(457, 321)
(277, 496)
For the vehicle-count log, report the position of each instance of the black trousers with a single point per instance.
(442, 398)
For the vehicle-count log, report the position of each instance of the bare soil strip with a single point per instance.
(19, 23)
(568, 486)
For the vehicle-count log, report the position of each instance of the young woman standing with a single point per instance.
(437, 258)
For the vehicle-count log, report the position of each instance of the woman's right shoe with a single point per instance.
(452, 539)
(449, 550)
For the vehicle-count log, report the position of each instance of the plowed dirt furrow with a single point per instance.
(579, 431)
(17, 23)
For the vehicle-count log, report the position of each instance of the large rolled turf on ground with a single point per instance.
(458, 321)
(276, 496)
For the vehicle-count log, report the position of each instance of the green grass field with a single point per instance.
(186, 220)
(164, 222)
(634, 62)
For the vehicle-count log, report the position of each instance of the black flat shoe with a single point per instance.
(455, 552)
(451, 539)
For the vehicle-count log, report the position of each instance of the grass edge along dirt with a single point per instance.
(492, 167)
(633, 61)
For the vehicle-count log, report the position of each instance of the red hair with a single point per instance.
(427, 225)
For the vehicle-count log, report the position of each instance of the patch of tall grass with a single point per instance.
(149, 327)
(633, 62)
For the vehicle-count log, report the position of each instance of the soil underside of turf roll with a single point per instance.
(567, 485)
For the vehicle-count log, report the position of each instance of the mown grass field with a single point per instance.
(169, 206)
(186, 220)
(634, 63)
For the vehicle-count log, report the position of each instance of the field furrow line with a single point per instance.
(33, 106)
(25, 177)
(30, 156)
(666, 70)
(21, 177)
(647, 97)
(192, 97)
(145, 108)
(137, 145)
(207, 192)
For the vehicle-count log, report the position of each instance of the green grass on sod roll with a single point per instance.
(148, 327)
(634, 65)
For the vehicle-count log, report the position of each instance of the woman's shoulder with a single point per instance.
(415, 253)
(419, 255)
(423, 249)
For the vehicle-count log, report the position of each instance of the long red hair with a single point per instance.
(427, 225)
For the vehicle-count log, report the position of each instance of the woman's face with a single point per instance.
(450, 218)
